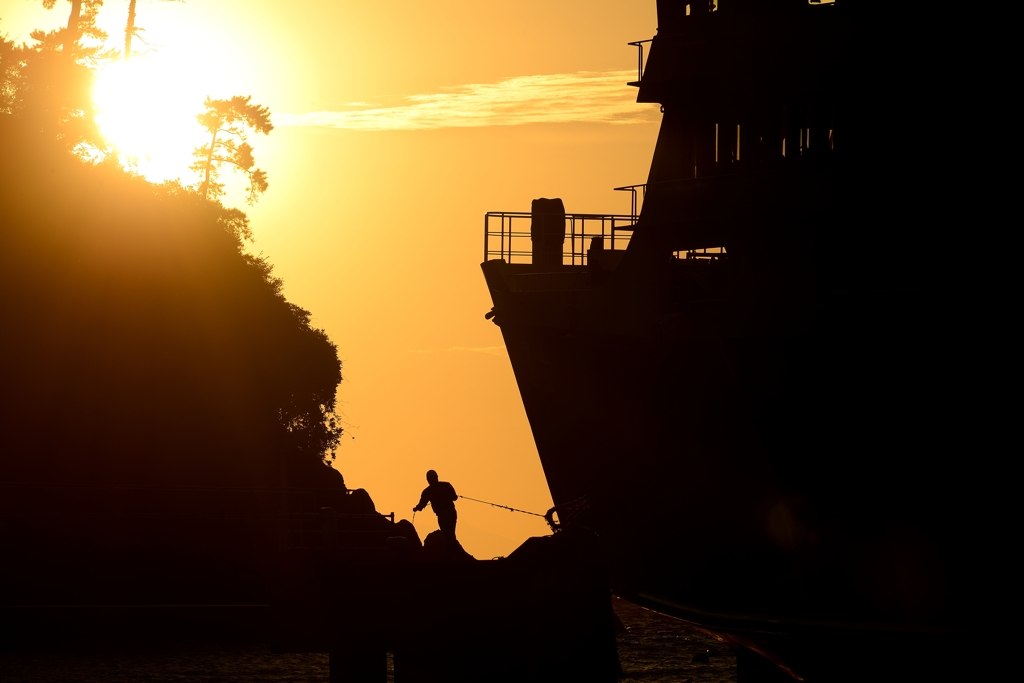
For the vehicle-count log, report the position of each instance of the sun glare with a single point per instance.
(146, 109)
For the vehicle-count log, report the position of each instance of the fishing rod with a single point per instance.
(506, 507)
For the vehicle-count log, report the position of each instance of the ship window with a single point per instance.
(783, 146)
(831, 145)
(687, 10)
(737, 142)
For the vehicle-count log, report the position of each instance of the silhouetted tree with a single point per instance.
(81, 23)
(48, 93)
(11, 64)
(48, 84)
(227, 122)
(131, 31)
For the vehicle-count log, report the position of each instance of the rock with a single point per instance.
(434, 546)
(360, 503)
(435, 550)
(404, 527)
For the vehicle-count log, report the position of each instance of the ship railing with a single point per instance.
(634, 204)
(507, 235)
(704, 254)
(639, 61)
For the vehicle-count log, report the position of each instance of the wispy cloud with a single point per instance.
(584, 96)
(492, 350)
(489, 350)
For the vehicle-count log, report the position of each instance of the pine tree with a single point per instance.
(130, 30)
(81, 24)
(228, 121)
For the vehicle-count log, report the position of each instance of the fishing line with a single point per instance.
(506, 507)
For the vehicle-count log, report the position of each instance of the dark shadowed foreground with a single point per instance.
(654, 649)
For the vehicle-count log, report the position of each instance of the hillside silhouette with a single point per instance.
(140, 344)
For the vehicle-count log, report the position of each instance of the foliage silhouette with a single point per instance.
(162, 402)
(81, 24)
(48, 85)
(227, 121)
(136, 331)
(11, 76)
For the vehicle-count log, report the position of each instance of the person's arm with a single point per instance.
(455, 496)
(423, 501)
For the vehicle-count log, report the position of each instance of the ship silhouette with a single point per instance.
(771, 391)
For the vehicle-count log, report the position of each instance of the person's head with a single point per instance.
(432, 476)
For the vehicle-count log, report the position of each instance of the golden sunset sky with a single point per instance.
(399, 123)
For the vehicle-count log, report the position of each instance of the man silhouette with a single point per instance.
(441, 496)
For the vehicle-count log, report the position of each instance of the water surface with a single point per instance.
(653, 649)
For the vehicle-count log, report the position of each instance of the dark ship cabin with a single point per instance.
(743, 171)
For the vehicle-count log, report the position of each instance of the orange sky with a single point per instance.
(399, 124)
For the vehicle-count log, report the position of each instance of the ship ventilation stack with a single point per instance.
(547, 231)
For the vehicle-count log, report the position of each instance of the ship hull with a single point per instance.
(804, 479)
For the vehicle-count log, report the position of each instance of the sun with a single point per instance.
(146, 109)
